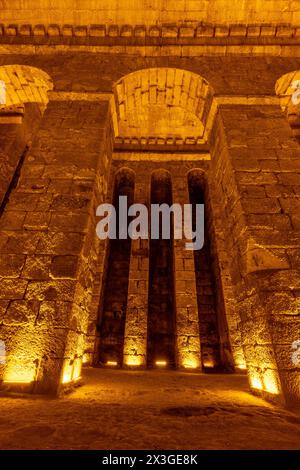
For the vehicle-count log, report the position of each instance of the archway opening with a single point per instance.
(162, 105)
(112, 321)
(23, 100)
(288, 89)
(161, 323)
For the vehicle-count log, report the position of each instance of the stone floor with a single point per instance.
(149, 410)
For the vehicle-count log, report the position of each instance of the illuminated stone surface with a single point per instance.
(148, 11)
(150, 410)
(91, 91)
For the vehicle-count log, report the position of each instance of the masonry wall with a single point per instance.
(149, 11)
(253, 183)
(255, 164)
(49, 259)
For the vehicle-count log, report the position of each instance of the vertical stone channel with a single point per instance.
(112, 323)
(205, 282)
(161, 321)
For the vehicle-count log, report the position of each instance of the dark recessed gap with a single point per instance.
(161, 314)
(209, 297)
(112, 322)
(14, 181)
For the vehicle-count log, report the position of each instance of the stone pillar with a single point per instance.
(188, 349)
(48, 260)
(135, 339)
(256, 167)
(100, 265)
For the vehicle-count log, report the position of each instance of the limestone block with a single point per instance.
(190, 328)
(12, 290)
(64, 267)
(59, 243)
(62, 290)
(261, 206)
(21, 242)
(36, 221)
(290, 205)
(65, 202)
(54, 313)
(258, 258)
(21, 312)
(36, 267)
(11, 265)
(72, 223)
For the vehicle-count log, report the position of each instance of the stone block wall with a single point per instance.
(152, 12)
(52, 263)
(51, 254)
(255, 162)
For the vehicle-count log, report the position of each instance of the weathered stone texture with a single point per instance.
(53, 268)
(139, 12)
(269, 268)
(48, 258)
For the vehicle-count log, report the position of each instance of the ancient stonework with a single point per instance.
(178, 105)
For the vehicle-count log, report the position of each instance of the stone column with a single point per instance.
(188, 349)
(135, 340)
(48, 260)
(256, 167)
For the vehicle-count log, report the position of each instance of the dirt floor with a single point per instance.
(149, 410)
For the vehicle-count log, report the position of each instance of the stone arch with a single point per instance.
(161, 174)
(198, 174)
(24, 84)
(124, 173)
(165, 104)
(23, 99)
(288, 90)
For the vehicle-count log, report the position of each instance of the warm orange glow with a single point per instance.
(17, 374)
(240, 363)
(133, 361)
(77, 369)
(209, 364)
(161, 363)
(256, 382)
(265, 381)
(85, 359)
(112, 363)
(21, 359)
(17, 381)
(191, 363)
(72, 370)
(270, 382)
(67, 374)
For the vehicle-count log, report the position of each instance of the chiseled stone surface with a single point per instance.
(151, 12)
(56, 169)
(48, 260)
(260, 137)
